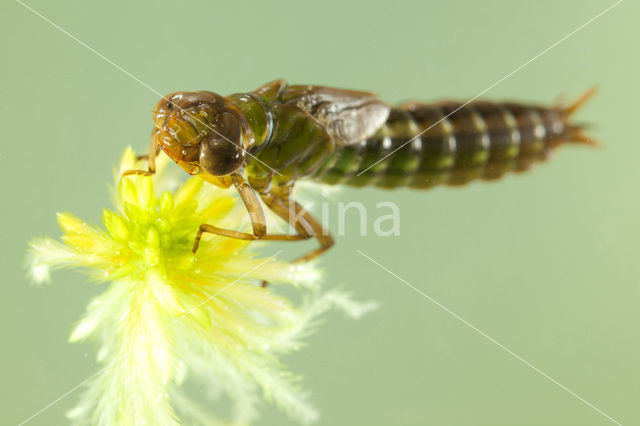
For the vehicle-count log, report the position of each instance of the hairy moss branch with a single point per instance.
(168, 317)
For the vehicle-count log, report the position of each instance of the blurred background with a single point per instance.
(546, 262)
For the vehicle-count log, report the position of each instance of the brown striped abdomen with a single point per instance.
(450, 143)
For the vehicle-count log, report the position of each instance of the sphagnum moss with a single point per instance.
(169, 316)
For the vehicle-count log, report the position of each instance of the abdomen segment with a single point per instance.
(452, 144)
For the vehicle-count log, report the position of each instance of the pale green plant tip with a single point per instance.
(168, 315)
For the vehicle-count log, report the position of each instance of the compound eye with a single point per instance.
(220, 157)
(165, 107)
(221, 151)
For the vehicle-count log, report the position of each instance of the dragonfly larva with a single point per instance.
(263, 141)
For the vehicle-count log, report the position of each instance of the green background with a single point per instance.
(546, 263)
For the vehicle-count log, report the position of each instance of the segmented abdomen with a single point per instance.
(451, 143)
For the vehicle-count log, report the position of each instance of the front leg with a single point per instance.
(256, 215)
(210, 229)
(151, 157)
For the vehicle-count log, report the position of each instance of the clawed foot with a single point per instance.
(137, 172)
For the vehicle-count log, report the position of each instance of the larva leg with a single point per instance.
(252, 204)
(256, 215)
(138, 172)
(151, 157)
(302, 221)
(324, 238)
(210, 229)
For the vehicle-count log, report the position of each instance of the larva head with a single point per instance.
(202, 132)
